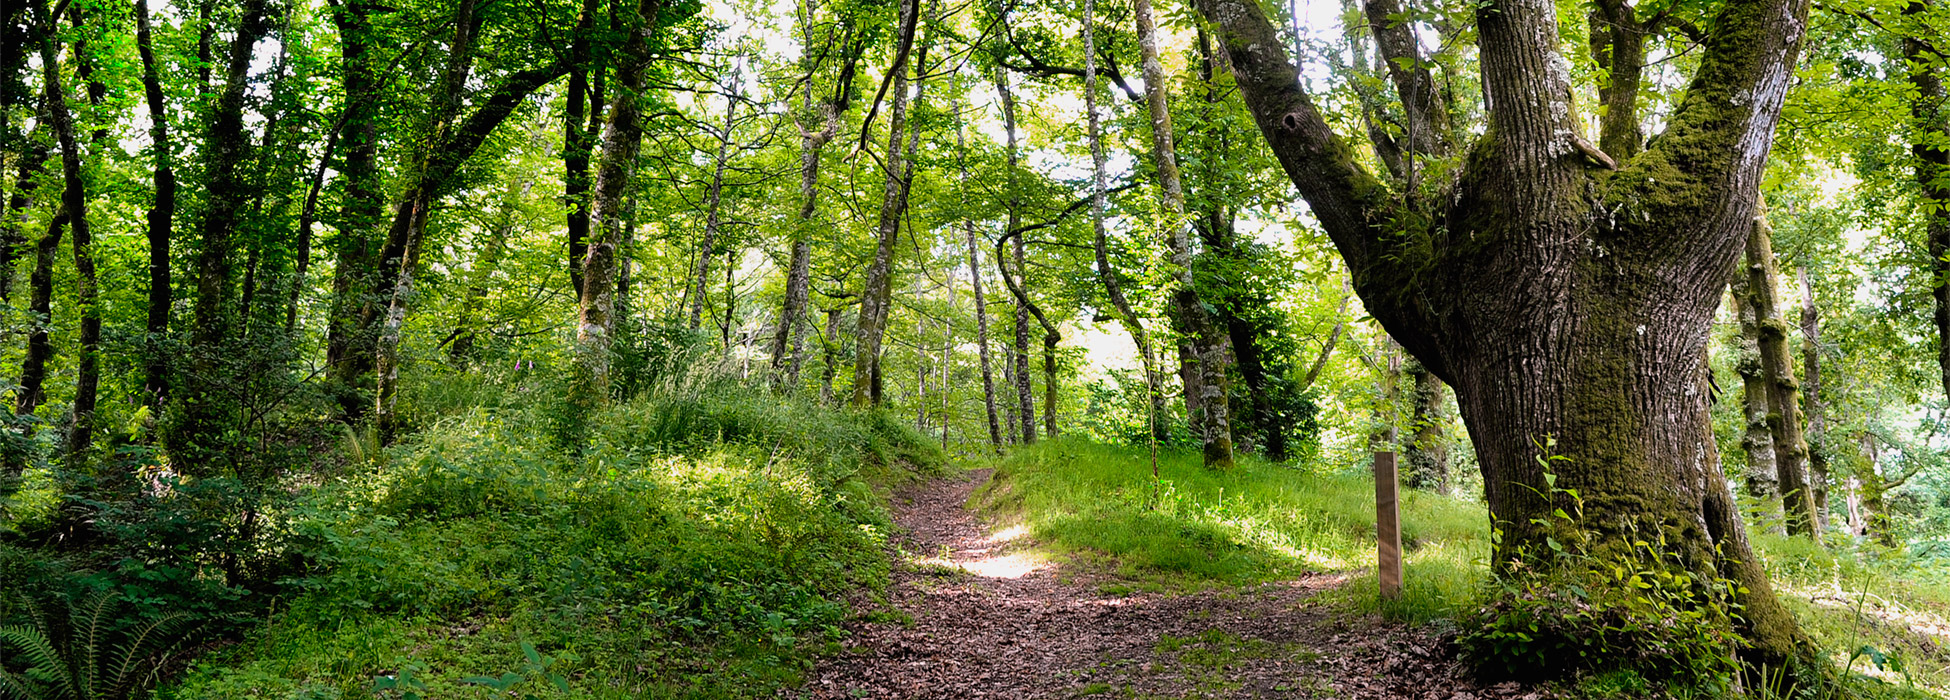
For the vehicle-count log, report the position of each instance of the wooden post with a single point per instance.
(1388, 526)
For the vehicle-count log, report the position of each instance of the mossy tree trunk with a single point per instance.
(1763, 476)
(1566, 303)
(876, 299)
(1784, 418)
(622, 138)
(1204, 354)
(1426, 453)
(1930, 113)
(1811, 398)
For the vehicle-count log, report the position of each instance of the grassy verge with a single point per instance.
(696, 548)
(1884, 617)
(1195, 528)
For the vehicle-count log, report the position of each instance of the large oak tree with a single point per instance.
(1564, 294)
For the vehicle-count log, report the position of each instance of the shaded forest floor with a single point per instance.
(976, 612)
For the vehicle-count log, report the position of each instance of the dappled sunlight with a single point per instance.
(1013, 565)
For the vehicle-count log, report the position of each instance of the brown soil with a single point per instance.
(973, 613)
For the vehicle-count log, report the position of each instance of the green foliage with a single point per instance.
(726, 522)
(85, 656)
(1591, 606)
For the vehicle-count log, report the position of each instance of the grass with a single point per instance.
(1195, 528)
(696, 547)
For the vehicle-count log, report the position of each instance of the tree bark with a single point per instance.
(1618, 46)
(1929, 108)
(621, 139)
(1206, 340)
(1757, 438)
(74, 207)
(1427, 453)
(875, 297)
(981, 303)
(1783, 392)
(788, 341)
(1025, 405)
(713, 199)
(228, 192)
(1811, 398)
(1567, 305)
(349, 344)
(399, 262)
(162, 212)
(1113, 286)
(578, 136)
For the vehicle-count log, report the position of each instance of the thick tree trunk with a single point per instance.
(1205, 339)
(713, 199)
(1929, 109)
(1811, 393)
(1777, 368)
(1567, 306)
(621, 139)
(876, 295)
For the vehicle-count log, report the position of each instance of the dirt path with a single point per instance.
(974, 614)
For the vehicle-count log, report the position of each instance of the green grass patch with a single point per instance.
(1195, 527)
(696, 547)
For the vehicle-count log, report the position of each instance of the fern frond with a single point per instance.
(90, 651)
(15, 687)
(136, 653)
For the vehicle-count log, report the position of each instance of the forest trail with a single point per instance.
(976, 613)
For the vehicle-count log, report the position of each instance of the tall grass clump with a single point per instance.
(697, 544)
(1194, 526)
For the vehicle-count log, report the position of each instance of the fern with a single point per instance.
(81, 660)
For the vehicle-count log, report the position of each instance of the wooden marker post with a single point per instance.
(1387, 525)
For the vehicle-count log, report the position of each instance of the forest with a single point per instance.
(974, 348)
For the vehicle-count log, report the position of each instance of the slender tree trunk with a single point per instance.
(349, 346)
(400, 259)
(1783, 392)
(713, 199)
(1763, 466)
(1811, 393)
(788, 340)
(981, 305)
(829, 345)
(622, 138)
(875, 297)
(1204, 338)
(33, 367)
(485, 264)
(1566, 304)
(74, 206)
(578, 137)
(1113, 287)
(1025, 405)
(1427, 453)
(162, 212)
(228, 193)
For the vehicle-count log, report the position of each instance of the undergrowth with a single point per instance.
(695, 546)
